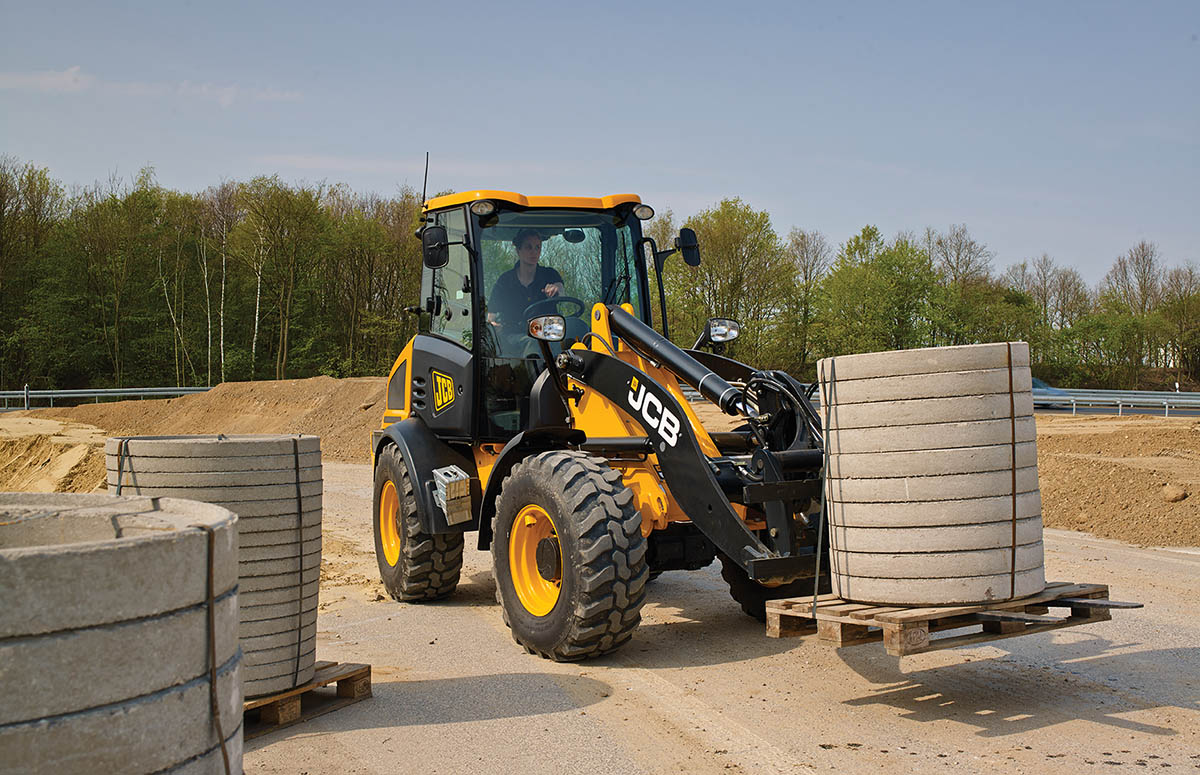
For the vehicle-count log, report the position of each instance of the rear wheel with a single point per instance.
(753, 597)
(413, 564)
(569, 556)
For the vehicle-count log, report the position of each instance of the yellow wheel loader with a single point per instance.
(539, 408)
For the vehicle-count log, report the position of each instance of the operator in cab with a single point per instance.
(527, 282)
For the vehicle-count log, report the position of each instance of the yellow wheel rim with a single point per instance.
(537, 593)
(389, 511)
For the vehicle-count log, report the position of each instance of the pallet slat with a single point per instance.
(906, 630)
(286, 708)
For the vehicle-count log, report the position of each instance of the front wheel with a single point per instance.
(569, 556)
(414, 565)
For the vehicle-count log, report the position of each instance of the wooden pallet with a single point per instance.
(905, 630)
(266, 714)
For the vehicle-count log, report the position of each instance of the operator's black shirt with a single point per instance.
(509, 298)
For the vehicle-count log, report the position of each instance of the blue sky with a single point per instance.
(1066, 128)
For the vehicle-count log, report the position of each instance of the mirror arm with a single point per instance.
(470, 250)
(660, 257)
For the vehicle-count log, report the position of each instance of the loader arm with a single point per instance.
(692, 476)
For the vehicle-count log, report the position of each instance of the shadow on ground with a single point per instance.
(1092, 679)
(396, 702)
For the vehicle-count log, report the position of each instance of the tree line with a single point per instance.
(132, 284)
(800, 298)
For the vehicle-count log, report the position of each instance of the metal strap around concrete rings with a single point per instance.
(299, 559)
(826, 404)
(210, 604)
(1012, 418)
(122, 452)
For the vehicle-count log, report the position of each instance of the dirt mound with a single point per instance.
(1136, 479)
(341, 411)
(39, 455)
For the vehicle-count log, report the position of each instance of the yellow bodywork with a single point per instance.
(553, 202)
(598, 417)
(391, 413)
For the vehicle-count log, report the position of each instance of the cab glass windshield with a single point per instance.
(546, 262)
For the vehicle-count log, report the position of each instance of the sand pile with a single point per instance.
(341, 411)
(43, 455)
(1136, 479)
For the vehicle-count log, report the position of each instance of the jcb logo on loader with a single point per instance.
(653, 412)
(443, 391)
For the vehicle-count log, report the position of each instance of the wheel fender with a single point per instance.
(519, 447)
(423, 452)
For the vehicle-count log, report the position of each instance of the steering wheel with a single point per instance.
(550, 307)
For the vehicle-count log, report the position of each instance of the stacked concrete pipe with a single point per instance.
(932, 484)
(273, 484)
(116, 615)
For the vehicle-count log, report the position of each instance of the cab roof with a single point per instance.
(580, 202)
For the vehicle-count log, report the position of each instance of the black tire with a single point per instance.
(603, 573)
(426, 565)
(753, 597)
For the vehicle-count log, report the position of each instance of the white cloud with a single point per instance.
(75, 80)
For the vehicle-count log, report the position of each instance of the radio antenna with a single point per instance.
(424, 186)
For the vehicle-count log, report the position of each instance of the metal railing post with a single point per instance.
(27, 396)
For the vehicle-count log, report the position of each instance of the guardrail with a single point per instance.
(25, 398)
(1121, 399)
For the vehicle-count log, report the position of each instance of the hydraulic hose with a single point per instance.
(658, 348)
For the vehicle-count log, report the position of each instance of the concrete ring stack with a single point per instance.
(932, 484)
(118, 636)
(273, 484)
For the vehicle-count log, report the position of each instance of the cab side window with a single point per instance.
(450, 287)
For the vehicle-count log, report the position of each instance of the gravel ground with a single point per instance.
(701, 689)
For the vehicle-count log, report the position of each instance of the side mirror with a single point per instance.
(434, 250)
(687, 245)
(718, 331)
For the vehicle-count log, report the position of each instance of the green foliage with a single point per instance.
(879, 295)
(137, 285)
(134, 284)
(744, 274)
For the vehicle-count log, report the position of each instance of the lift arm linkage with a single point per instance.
(687, 471)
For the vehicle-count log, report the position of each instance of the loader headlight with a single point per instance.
(483, 207)
(723, 329)
(548, 328)
(643, 212)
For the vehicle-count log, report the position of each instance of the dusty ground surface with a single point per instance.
(700, 688)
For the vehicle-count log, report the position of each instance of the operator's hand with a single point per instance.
(552, 289)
